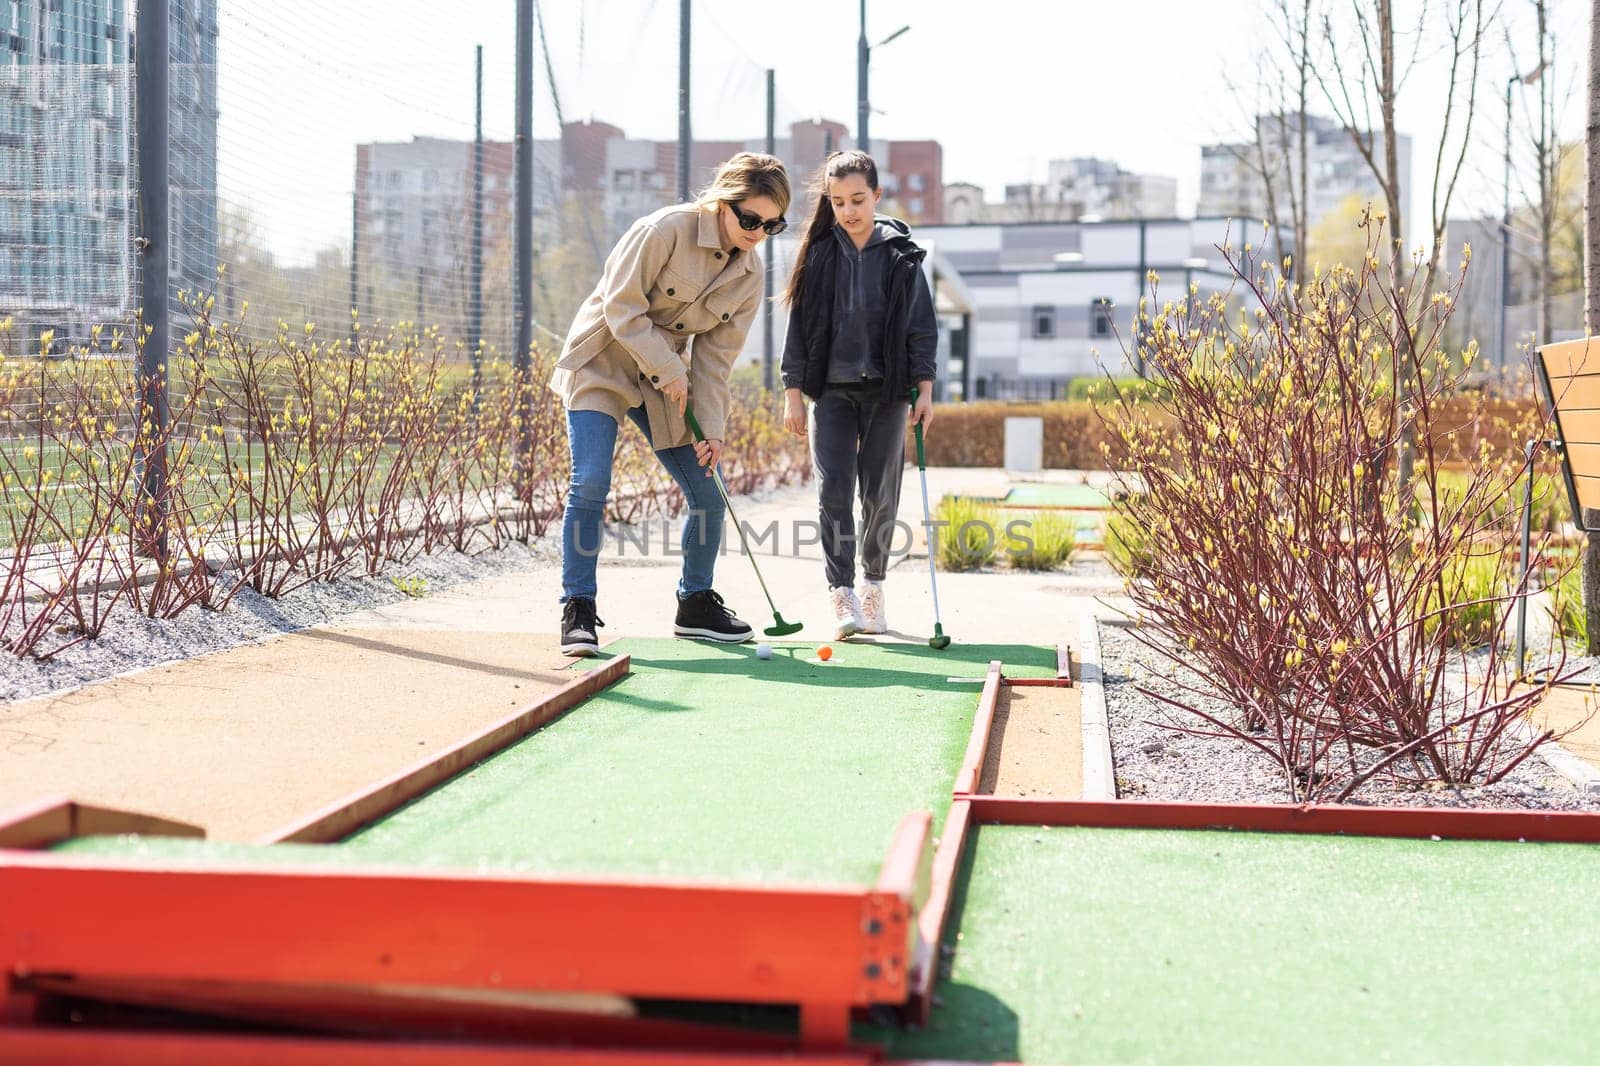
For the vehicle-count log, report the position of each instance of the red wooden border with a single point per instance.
(343, 817)
(398, 929)
(907, 869)
(982, 722)
(1576, 827)
(910, 874)
(933, 915)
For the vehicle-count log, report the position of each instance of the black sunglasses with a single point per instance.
(753, 221)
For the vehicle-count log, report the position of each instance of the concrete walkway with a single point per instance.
(245, 740)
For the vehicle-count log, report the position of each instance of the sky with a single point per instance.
(1004, 85)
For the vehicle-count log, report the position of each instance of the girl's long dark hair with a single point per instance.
(839, 164)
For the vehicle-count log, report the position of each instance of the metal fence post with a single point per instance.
(151, 68)
(524, 222)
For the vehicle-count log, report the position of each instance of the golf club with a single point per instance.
(780, 628)
(938, 640)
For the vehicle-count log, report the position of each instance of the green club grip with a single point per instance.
(922, 457)
(694, 423)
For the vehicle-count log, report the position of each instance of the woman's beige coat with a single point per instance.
(667, 281)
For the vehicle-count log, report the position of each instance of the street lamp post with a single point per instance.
(863, 53)
(685, 136)
(863, 61)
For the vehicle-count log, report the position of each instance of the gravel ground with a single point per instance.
(1577, 670)
(131, 641)
(1152, 761)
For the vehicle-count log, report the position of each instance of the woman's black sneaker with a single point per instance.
(580, 627)
(701, 614)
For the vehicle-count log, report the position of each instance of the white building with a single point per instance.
(1050, 302)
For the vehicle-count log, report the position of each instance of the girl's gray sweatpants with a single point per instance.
(858, 444)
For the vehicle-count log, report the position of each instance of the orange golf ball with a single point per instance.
(824, 653)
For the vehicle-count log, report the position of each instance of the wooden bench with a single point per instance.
(1569, 374)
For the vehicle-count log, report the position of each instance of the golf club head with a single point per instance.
(938, 642)
(782, 628)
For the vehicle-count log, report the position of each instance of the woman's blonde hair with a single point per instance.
(746, 175)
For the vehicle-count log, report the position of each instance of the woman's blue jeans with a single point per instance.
(592, 439)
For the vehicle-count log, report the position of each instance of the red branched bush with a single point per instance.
(291, 458)
(1290, 559)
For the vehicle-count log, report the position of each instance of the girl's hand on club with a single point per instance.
(794, 412)
(709, 452)
(677, 392)
(922, 411)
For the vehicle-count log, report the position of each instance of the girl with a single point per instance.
(861, 336)
(667, 320)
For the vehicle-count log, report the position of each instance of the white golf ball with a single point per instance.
(763, 651)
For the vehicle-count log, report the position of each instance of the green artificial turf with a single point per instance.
(1108, 945)
(710, 762)
(1034, 494)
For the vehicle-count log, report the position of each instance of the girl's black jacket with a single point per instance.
(910, 334)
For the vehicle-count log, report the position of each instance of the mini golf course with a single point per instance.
(704, 763)
(689, 854)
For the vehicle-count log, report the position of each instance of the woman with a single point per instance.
(665, 323)
(861, 336)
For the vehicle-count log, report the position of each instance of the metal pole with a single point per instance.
(355, 259)
(1138, 290)
(767, 381)
(966, 356)
(1522, 582)
(1505, 240)
(863, 55)
(152, 60)
(475, 308)
(685, 137)
(523, 295)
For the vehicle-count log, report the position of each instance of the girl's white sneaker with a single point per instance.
(872, 617)
(847, 618)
